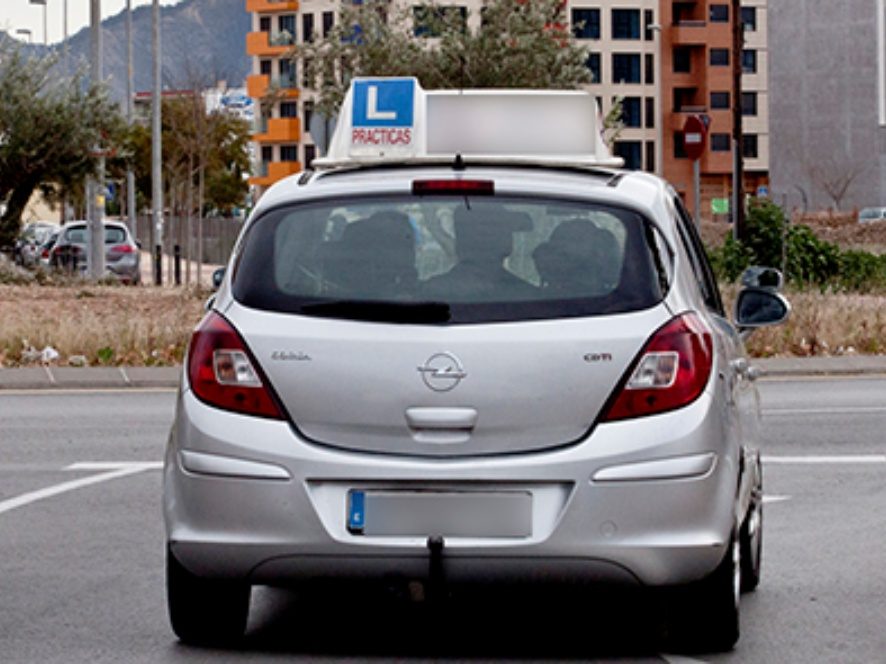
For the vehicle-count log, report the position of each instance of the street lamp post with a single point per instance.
(130, 175)
(96, 186)
(157, 150)
(45, 36)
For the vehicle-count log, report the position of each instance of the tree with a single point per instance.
(516, 44)
(50, 131)
(835, 177)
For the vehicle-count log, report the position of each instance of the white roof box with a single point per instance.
(393, 120)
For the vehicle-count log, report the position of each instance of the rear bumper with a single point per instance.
(246, 498)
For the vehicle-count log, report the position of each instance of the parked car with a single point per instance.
(507, 368)
(26, 251)
(44, 251)
(122, 258)
(872, 214)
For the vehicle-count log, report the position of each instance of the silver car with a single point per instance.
(457, 374)
(122, 256)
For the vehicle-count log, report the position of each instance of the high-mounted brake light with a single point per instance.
(222, 372)
(453, 187)
(671, 371)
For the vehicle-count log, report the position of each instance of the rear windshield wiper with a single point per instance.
(380, 311)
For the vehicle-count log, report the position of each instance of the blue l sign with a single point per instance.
(383, 103)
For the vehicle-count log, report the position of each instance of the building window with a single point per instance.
(626, 24)
(625, 67)
(749, 103)
(267, 153)
(719, 100)
(719, 13)
(631, 152)
(328, 22)
(648, 21)
(749, 61)
(630, 112)
(288, 109)
(310, 155)
(309, 114)
(307, 27)
(286, 24)
(650, 156)
(264, 67)
(429, 21)
(586, 23)
(682, 60)
(649, 114)
(749, 146)
(595, 65)
(288, 153)
(679, 147)
(719, 57)
(749, 18)
(720, 142)
(649, 66)
(287, 73)
(264, 24)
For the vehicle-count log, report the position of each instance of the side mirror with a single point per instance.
(758, 276)
(218, 276)
(760, 307)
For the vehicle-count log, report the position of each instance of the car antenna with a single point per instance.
(459, 164)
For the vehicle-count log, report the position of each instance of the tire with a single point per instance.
(704, 616)
(751, 544)
(205, 611)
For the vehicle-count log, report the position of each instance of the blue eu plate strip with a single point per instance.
(356, 512)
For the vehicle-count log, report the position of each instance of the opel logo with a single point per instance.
(442, 372)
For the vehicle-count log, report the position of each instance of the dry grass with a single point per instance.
(96, 325)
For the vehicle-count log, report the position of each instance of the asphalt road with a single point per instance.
(81, 552)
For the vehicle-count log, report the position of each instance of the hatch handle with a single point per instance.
(448, 419)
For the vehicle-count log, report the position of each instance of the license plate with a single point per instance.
(499, 514)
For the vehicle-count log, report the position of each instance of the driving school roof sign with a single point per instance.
(395, 120)
(382, 116)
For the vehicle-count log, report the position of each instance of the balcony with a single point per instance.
(271, 6)
(278, 130)
(270, 172)
(689, 33)
(258, 85)
(261, 44)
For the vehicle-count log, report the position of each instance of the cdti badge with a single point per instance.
(383, 113)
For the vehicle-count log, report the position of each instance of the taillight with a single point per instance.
(671, 372)
(222, 371)
(121, 249)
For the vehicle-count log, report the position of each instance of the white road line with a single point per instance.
(848, 410)
(112, 472)
(828, 459)
(775, 499)
(679, 659)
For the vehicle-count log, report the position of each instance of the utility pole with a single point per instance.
(738, 225)
(157, 150)
(130, 88)
(96, 186)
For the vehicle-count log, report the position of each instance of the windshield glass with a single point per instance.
(451, 260)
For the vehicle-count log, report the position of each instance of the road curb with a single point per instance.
(85, 378)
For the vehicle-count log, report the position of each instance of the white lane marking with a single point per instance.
(828, 459)
(115, 465)
(62, 391)
(112, 471)
(775, 499)
(847, 410)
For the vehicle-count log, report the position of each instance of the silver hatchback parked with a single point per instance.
(452, 369)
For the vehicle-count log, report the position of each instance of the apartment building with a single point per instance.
(661, 60)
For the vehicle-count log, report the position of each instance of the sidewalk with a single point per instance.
(31, 378)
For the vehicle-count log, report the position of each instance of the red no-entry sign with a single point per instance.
(695, 132)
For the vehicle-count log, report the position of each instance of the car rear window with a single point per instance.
(80, 235)
(451, 260)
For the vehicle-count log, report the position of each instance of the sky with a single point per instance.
(21, 15)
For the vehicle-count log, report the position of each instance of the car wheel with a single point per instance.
(751, 544)
(704, 616)
(205, 611)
